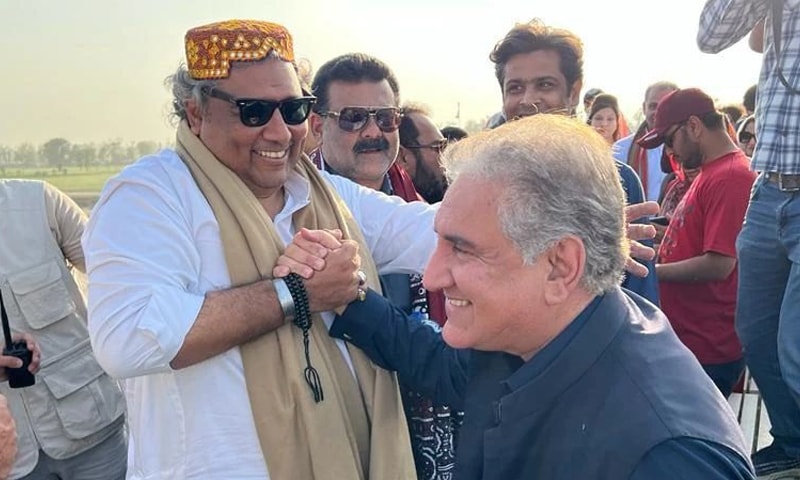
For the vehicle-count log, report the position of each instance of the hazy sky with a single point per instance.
(93, 70)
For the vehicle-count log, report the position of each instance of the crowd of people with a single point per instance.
(317, 282)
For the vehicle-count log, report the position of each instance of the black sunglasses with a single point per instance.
(354, 119)
(437, 146)
(668, 139)
(254, 112)
(745, 137)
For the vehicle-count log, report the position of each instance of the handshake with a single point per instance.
(330, 266)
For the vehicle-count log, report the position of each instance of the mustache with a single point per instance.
(371, 144)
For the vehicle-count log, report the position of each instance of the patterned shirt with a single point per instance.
(725, 22)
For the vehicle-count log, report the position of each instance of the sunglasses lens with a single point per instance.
(295, 111)
(255, 113)
(388, 119)
(745, 137)
(352, 119)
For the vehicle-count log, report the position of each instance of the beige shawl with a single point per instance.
(358, 431)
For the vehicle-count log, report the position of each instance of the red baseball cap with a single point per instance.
(675, 108)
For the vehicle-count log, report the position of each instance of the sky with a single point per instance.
(94, 70)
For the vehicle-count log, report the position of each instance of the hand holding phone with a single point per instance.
(660, 220)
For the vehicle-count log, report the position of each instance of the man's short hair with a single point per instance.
(560, 179)
(661, 85)
(453, 133)
(749, 99)
(534, 36)
(734, 112)
(351, 68)
(408, 131)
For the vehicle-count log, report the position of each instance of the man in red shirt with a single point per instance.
(697, 259)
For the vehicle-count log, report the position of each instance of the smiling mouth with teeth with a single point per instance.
(458, 302)
(270, 154)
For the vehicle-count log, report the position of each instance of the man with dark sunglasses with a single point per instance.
(697, 259)
(228, 372)
(421, 146)
(356, 121)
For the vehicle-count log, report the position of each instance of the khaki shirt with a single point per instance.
(74, 405)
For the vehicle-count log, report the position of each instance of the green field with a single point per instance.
(72, 180)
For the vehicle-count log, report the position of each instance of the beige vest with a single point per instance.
(74, 404)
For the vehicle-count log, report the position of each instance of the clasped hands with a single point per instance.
(329, 265)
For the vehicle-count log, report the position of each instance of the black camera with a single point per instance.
(20, 377)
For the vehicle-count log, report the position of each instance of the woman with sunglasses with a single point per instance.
(746, 136)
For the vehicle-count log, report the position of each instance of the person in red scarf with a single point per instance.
(646, 162)
(355, 123)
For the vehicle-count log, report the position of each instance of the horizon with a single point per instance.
(91, 71)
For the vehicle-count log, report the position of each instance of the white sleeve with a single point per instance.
(399, 234)
(143, 265)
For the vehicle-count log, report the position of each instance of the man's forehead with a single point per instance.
(258, 78)
(363, 93)
(425, 126)
(656, 94)
(538, 64)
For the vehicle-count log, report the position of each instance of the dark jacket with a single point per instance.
(617, 387)
(646, 287)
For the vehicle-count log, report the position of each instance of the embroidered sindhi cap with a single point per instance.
(210, 49)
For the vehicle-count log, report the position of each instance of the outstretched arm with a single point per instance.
(408, 346)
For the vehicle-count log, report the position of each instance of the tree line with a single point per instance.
(61, 153)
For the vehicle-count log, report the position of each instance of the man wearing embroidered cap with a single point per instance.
(697, 260)
(180, 252)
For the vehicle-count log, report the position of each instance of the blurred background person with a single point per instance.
(749, 100)
(421, 146)
(588, 98)
(605, 117)
(746, 135)
(646, 163)
(734, 113)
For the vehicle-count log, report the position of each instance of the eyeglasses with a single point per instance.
(669, 139)
(745, 137)
(437, 146)
(254, 112)
(354, 119)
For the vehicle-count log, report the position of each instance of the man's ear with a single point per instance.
(575, 95)
(315, 125)
(194, 115)
(403, 156)
(566, 261)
